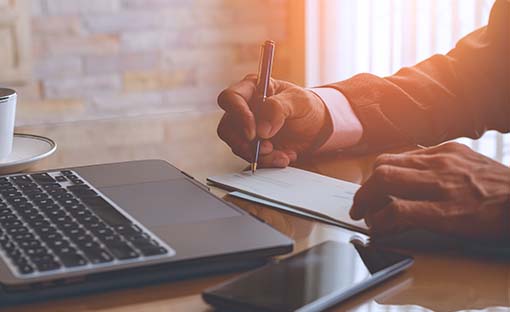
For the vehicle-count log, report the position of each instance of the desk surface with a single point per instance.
(438, 281)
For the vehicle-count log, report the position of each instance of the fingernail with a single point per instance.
(264, 129)
(280, 162)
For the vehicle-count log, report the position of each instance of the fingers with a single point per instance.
(386, 181)
(266, 147)
(228, 131)
(234, 100)
(277, 158)
(401, 215)
(415, 161)
(271, 115)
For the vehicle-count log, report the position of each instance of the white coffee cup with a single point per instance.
(7, 117)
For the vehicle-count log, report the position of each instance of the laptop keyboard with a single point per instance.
(57, 222)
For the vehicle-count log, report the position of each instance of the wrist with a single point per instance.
(326, 123)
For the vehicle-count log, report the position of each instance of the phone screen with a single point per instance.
(330, 269)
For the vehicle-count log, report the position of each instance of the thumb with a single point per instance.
(271, 115)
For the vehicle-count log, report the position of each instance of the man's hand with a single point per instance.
(289, 123)
(448, 189)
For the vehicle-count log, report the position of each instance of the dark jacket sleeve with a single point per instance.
(462, 93)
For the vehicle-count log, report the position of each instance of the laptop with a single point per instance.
(74, 230)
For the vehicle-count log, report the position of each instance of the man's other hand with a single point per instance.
(448, 189)
(290, 122)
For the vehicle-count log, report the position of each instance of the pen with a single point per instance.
(263, 79)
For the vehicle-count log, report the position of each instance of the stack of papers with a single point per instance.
(298, 191)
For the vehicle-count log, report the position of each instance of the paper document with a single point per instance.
(314, 193)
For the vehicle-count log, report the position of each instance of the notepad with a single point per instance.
(314, 194)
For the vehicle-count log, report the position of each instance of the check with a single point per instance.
(315, 194)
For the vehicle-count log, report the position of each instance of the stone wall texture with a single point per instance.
(95, 59)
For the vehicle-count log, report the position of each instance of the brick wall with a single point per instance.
(115, 58)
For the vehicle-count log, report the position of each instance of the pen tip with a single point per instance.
(253, 167)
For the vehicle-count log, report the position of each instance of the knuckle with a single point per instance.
(381, 159)
(394, 212)
(453, 147)
(440, 161)
(250, 76)
(381, 173)
(223, 96)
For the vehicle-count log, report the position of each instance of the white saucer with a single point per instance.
(27, 149)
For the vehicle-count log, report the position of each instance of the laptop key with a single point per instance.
(67, 226)
(56, 245)
(121, 250)
(23, 237)
(12, 194)
(29, 244)
(153, 251)
(102, 231)
(37, 195)
(36, 216)
(8, 218)
(36, 252)
(43, 231)
(62, 196)
(50, 186)
(22, 206)
(11, 224)
(74, 232)
(42, 178)
(6, 244)
(17, 230)
(85, 193)
(25, 268)
(56, 191)
(28, 186)
(47, 265)
(82, 240)
(51, 236)
(98, 255)
(17, 200)
(79, 187)
(21, 179)
(15, 254)
(105, 211)
(72, 258)
(61, 179)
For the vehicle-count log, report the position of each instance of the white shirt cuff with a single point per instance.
(347, 129)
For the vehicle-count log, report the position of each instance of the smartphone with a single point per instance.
(312, 280)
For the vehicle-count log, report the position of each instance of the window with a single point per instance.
(345, 37)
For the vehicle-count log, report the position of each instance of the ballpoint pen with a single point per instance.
(263, 80)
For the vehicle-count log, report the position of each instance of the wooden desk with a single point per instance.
(437, 281)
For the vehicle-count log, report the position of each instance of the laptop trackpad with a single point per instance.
(168, 202)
